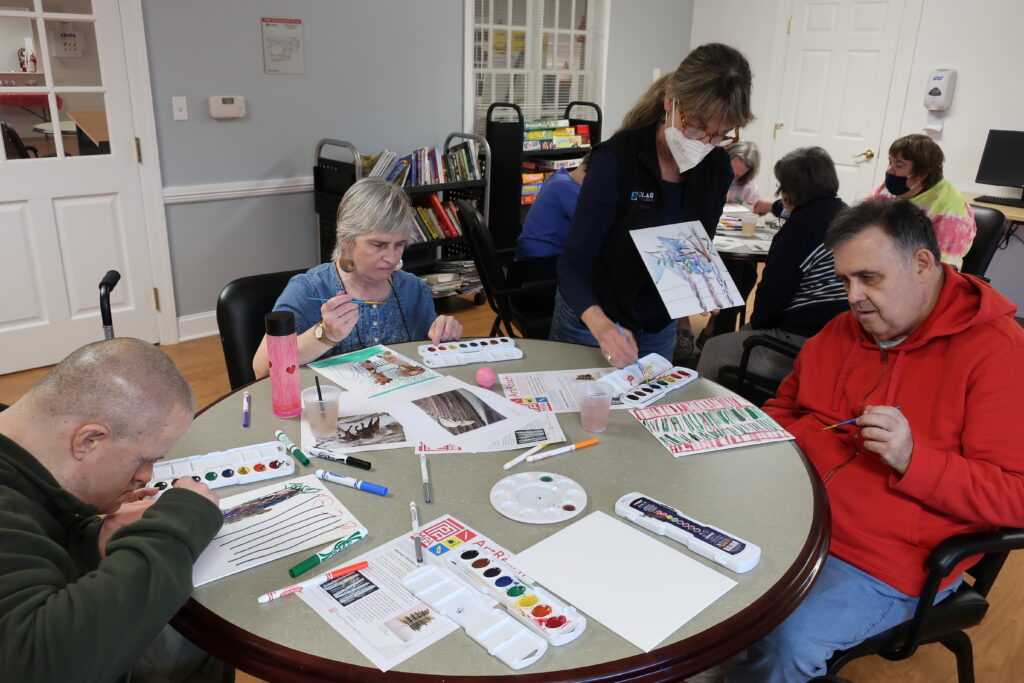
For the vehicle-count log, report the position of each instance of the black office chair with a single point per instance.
(241, 306)
(755, 388)
(13, 143)
(945, 622)
(502, 298)
(990, 224)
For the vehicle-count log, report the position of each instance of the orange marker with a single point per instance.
(310, 583)
(563, 449)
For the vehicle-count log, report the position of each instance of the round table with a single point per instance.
(767, 494)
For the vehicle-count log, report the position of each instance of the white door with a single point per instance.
(71, 210)
(836, 84)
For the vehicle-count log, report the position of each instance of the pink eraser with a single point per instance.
(486, 377)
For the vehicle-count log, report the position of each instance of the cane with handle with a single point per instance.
(107, 285)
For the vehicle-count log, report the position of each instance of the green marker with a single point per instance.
(292, 448)
(327, 553)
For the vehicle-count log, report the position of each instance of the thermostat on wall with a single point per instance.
(227, 106)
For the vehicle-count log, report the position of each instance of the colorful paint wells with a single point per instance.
(469, 351)
(647, 380)
(544, 613)
(242, 465)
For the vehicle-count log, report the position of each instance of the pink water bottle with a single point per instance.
(283, 352)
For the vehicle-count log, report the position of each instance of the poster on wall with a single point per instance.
(282, 46)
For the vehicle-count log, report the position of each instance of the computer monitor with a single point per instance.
(1002, 162)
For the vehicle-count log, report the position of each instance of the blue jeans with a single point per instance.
(566, 326)
(846, 606)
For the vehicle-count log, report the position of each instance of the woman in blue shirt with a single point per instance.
(374, 222)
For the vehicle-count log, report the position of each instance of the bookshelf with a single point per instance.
(332, 178)
(506, 212)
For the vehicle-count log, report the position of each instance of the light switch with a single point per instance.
(179, 108)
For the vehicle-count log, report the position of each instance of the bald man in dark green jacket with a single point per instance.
(83, 596)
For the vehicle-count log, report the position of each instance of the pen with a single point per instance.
(416, 531)
(326, 553)
(338, 457)
(523, 456)
(352, 482)
(351, 301)
(309, 583)
(246, 408)
(426, 477)
(563, 449)
(846, 422)
(292, 448)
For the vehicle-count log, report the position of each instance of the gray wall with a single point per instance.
(386, 73)
(642, 35)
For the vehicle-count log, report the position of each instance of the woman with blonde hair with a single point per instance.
(362, 297)
(665, 165)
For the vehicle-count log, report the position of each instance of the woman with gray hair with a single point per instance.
(745, 159)
(362, 297)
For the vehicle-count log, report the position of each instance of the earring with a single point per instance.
(346, 264)
(400, 264)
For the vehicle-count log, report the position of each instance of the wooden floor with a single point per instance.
(999, 657)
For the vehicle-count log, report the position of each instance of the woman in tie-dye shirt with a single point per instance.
(915, 173)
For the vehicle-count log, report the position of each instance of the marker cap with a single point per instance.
(356, 462)
(374, 488)
(304, 566)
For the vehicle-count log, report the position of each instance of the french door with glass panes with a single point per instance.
(70, 186)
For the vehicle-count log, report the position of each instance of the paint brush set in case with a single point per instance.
(242, 465)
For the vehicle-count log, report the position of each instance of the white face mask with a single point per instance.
(687, 153)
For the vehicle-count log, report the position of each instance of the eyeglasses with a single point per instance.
(713, 137)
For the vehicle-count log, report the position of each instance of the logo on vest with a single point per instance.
(644, 199)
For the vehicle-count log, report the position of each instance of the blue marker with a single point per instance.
(352, 482)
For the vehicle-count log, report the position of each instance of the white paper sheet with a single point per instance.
(686, 269)
(373, 372)
(364, 430)
(657, 588)
(550, 390)
(374, 612)
(253, 533)
(543, 429)
(448, 410)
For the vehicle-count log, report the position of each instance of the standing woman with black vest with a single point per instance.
(663, 166)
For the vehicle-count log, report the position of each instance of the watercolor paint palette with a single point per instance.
(545, 614)
(468, 351)
(633, 390)
(538, 497)
(497, 632)
(730, 551)
(242, 465)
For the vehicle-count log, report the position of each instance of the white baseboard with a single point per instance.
(197, 325)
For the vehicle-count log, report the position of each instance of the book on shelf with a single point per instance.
(554, 164)
(528, 199)
(442, 216)
(541, 124)
(565, 142)
(425, 166)
(432, 230)
(533, 178)
(532, 188)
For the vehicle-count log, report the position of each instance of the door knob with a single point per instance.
(868, 154)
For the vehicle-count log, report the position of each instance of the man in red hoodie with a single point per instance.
(930, 363)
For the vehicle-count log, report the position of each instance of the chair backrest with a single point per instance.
(241, 306)
(990, 230)
(485, 255)
(12, 142)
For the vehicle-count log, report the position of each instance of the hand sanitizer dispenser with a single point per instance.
(938, 95)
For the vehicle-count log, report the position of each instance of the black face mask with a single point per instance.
(896, 184)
